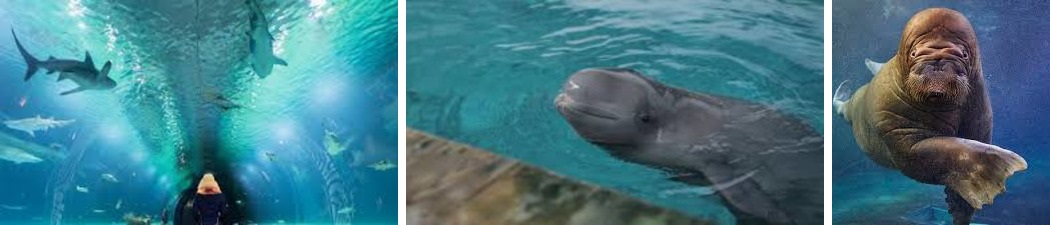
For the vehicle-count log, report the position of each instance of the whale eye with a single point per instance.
(645, 118)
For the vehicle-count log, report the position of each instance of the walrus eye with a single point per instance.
(966, 55)
(914, 54)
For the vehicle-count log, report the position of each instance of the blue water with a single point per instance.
(486, 72)
(159, 129)
(1012, 39)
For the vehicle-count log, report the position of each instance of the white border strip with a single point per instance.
(827, 112)
(401, 149)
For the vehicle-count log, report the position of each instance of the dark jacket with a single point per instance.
(209, 208)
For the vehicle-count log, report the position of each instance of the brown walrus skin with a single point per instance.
(926, 113)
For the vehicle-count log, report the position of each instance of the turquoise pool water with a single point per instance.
(486, 72)
(187, 101)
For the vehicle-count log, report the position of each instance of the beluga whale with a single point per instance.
(260, 42)
(83, 73)
(765, 164)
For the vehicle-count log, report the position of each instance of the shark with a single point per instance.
(18, 150)
(382, 165)
(220, 101)
(110, 178)
(346, 210)
(83, 73)
(12, 207)
(260, 42)
(32, 124)
(332, 143)
(18, 156)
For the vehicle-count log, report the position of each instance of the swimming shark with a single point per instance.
(29, 125)
(83, 73)
(11, 207)
(220, 101)
(346, 210)
(332, 143)
(110, 178)
(17, 156)
(32, 150)
(382, 165)
(260, 42)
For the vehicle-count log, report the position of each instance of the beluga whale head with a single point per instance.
(613, 106)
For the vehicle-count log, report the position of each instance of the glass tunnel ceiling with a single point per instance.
(171, 58)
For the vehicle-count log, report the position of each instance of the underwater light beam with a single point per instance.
(75, 8)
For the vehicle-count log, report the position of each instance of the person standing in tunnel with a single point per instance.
(209, 203)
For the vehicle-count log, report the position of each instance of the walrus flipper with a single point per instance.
(841, 97)
(873, 66)
(977, 171)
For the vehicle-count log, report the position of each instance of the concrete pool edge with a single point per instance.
(452, 183)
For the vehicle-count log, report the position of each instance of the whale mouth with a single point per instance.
(569, 105)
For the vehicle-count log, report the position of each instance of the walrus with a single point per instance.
(926, 113)
(765, 164)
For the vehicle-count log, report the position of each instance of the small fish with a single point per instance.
(271, 156)
(57, 147)
(22, 102)
(82, 189)
(98, 211)
(382, 165)
(265, 176)
(379, 203)
(110, 178)
(346, 210)
(182, 159)
(132, 219)
(119, 202)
